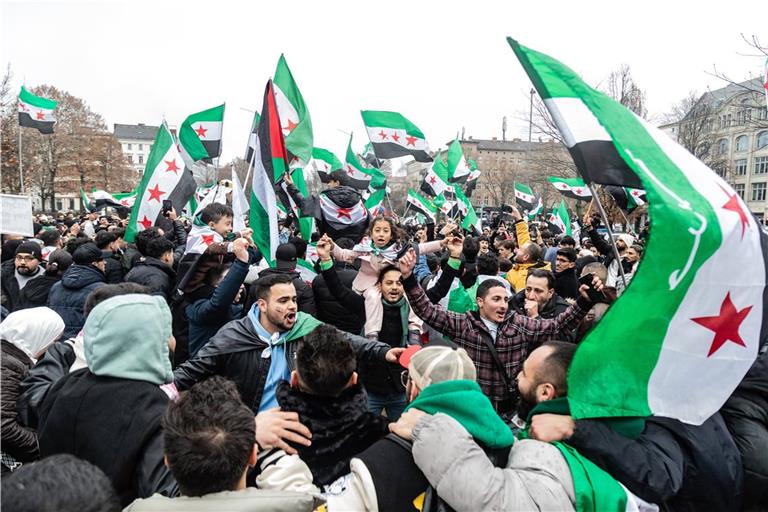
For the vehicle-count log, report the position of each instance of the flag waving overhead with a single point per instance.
(560, 218)
(575, 188)
(688, 352)
(360, 177)
(36, 111)
(294, 116)
(392, 136)
(165, 178)
(422, 205)
(324, 163)
(525, 196)
(252, 137)
(200, 134)
(436, 180)
(375, 203)
(458, 169)
(269, 163)
(626, 198)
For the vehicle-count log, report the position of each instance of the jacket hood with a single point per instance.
(345, 197)
(80, 276)
(32, 330)
(127, 337)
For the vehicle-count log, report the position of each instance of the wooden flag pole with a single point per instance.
(604, 216)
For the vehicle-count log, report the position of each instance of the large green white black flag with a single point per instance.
(681, 337)
(36, 111)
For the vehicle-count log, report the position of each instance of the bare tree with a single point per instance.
(621, 87)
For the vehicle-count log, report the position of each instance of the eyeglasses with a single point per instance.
(25, 257)
(404, 378)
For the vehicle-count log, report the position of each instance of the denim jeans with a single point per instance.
(394, 403)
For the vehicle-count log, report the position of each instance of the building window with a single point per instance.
(762, 139)
(762, 113)
(728, 120)
(722, 146)
(130, 146)
(739, 189)
(758, 191)
(761, 165)
(59, 208)
(742, 143)
(141, 159)
(71, 204)
(740, 167)
(141, 147)
(130, 158)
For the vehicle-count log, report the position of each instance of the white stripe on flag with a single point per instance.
(581, 124)
(380, 135)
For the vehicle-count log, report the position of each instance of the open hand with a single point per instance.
(404, 426)
(407, 262)
(274, 427)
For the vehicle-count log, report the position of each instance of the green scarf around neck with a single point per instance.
(305, 323)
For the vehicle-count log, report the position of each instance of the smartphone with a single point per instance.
(594, 295)
(167, 206)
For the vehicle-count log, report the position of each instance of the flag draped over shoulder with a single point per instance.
(575, 188)
(422, 205)
(294, 116)
(393, 136)
(687, 353)
(165, 178)
(36, 111)
(269, 163)
(200, 134)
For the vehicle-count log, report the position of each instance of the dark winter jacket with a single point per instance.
(155, 275)
(341, 427)
(235, 353)
(746, 416)
(342, 197)
(672, 464)
(329, 309)
(213, 308)
(35, 294)
(554, 307)
(566, 284)
(304, 295)
(18, 441)
(67, 297)
(53, 366)
(9, 287)
(114, 269)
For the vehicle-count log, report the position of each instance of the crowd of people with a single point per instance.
(421, 368)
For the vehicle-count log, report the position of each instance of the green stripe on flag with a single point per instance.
(36, 101)
(393, 120)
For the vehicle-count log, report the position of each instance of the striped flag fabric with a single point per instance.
(538, 207)
(324, 162)
(688, 352)
(252, 138)
(84, 199)
(200, 134)
(525, 196)
(626, 198)
(436, 181)
(474, 174)
(269, 163)
(560, 218)
(458, 169)
(240, 204)
(103, 199)
(393, 136)
(294, 116)
(36, 112)
(422, 205)
(360, 177)
(574, 188)
(375, 203)
(126, 199)
(165, 178)
(305, 223)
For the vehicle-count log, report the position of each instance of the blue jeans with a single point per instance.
(394, 403)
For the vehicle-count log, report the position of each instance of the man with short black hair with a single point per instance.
(154, 270)
(566, 283)
(107, 242)
(286, 257)
(538, 299)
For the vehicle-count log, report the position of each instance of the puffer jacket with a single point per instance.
(329, 309)
(67, 297)
(18, 441)
(155, 275)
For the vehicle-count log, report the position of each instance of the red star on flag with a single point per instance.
(578, 191)
(383, 135)
(734, 205)
(145, 222)
(155, 193)
(345, 212)
(171, 166)
(200, 131)
(23, 107)
(725, 325)
(410, 141)
(395, 137)
(40, 114)
(207, 239)
(432, 180)
(291, 125)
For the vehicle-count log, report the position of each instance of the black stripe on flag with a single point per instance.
(213, 147)
(26, 120)
(414, 205)
(386, 150)
(182, 193)
(599, 162)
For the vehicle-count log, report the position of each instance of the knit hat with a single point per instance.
(285, 257)
(30, 247)
(87, 254)
(431, 365)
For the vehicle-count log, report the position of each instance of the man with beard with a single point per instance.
(16, 273)
(539, 300)
(566, 284)
(258, 351)
(495, 342)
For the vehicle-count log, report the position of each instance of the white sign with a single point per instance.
(16, 215)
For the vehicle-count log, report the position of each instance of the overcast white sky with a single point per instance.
(444, 65)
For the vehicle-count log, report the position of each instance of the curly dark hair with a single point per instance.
(325, 361)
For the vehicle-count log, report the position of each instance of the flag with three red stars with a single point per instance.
(200, 134)
(393, 136)
(687, 328)
(165, 178)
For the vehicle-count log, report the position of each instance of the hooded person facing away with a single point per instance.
(109, 413)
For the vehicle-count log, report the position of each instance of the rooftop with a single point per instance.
(135, 131)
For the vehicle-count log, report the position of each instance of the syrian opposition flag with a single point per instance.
(270, 161)
(240, 205)
(375, 203)
(422, 205)
(393, 136)
(369, 157)
(470, 220)
(575, 188)
(324, 163)
(306, 270)
(126, 199)
(252, 138)
(341, 218)
(294, 116)
(458, 169)
(627, 198)
(84, 199)
(474, 174)
(694, 332)
(36, 111)
(165, 178)
(103, 199)
(560, 218)
(525, 196)
(436, 181)
(360, 177)
(537, 208)
(200, 134)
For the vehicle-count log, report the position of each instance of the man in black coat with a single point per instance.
(107, 242)
(540, 292)
(15, 274)
(154, 269)
(566, 282)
